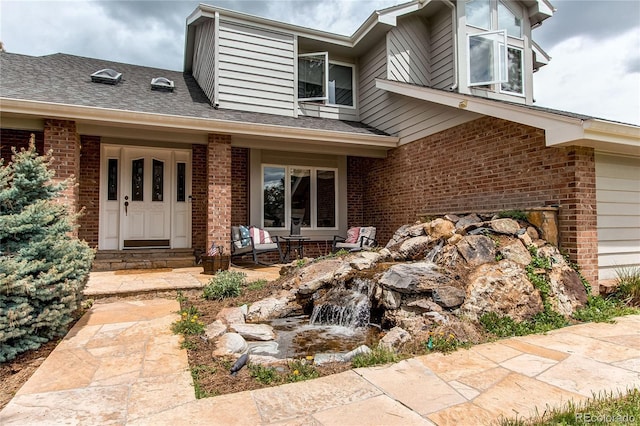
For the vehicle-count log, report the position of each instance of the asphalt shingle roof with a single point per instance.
(66, 79)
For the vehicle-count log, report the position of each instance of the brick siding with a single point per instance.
(239, 186)
(10, 138)
(487, 164)
(89, 189)
(199, 194)
(61, 137)
(219, 190)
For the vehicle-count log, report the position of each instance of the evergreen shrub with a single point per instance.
(43, 267)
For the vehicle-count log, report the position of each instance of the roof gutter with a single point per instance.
(136, 119)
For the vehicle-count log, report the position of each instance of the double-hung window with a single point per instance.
(322, 80)
(495, 46)
(307, 194)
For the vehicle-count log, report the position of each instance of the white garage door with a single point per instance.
(618, 198)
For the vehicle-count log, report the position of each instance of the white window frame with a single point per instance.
(287, 196)
(500, 65)
(353, 84)
(326, 77)
(510, 92)
(517, 15)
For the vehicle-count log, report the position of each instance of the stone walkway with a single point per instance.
(121, 364)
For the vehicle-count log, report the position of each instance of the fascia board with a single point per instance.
(189, 124)
(559, 129)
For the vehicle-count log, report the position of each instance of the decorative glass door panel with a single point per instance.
(146, 213)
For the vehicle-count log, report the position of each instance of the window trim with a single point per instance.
(353, 84)
(326, 77)
(501, 75)
(522, 80)
(313, 194)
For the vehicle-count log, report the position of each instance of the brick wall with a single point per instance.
(89, 189)
(199, 194)
(219, 190)
(19, 139)
(355, 188)
(487, 164)
(61, 137)
(239, 186)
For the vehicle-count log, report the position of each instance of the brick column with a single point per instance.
(578, 213)
(61, 137)
(199, 192)
(219, 198)
(89, 189)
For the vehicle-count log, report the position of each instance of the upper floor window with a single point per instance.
(508, 20)
(322, 80)
(495, 57)
(479, 13)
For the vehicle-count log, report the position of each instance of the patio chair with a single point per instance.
(254, 241)
(357, 239)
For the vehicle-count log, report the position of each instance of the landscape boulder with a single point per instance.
(477, 249)
(502, 288)
(413, 278)
(230, 343)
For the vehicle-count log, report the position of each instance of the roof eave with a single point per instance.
(190, 124)
(559, 129)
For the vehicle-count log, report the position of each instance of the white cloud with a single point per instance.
(592, 77)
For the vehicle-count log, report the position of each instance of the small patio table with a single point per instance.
(300, 239)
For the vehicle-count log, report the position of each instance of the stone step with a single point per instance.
(112, 260)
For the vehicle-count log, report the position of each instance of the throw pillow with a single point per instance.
(244, 236)
(260, 236)
(353, 234)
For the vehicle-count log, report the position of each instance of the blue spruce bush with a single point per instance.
(43, 268)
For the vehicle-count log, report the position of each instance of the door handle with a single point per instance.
(126, 204)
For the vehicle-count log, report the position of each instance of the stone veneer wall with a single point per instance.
(487, 164)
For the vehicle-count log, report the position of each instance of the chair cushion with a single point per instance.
(263, 247)
(348, 246)
(368, 232)
(260, 236)
(353, 235)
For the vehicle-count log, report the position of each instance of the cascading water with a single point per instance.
(345, 307)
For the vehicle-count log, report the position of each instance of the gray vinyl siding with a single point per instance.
(408, 50)
(256, 69)
(441, 50)
(204, 57)
(618, 207)
(408, 118)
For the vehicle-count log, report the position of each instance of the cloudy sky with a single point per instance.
(594, 45)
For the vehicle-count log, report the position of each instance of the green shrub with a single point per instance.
(188, 322)
(225, 284)
(300, 370)
(257, 285)
(264, 375)
(43, 267)
(599, 309)
(445, 343)
(513, 214)
(600, 410)
(379, 355)
(504, 326)
(628, 285)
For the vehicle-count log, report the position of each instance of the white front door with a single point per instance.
(152, 204)
(146, 198)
